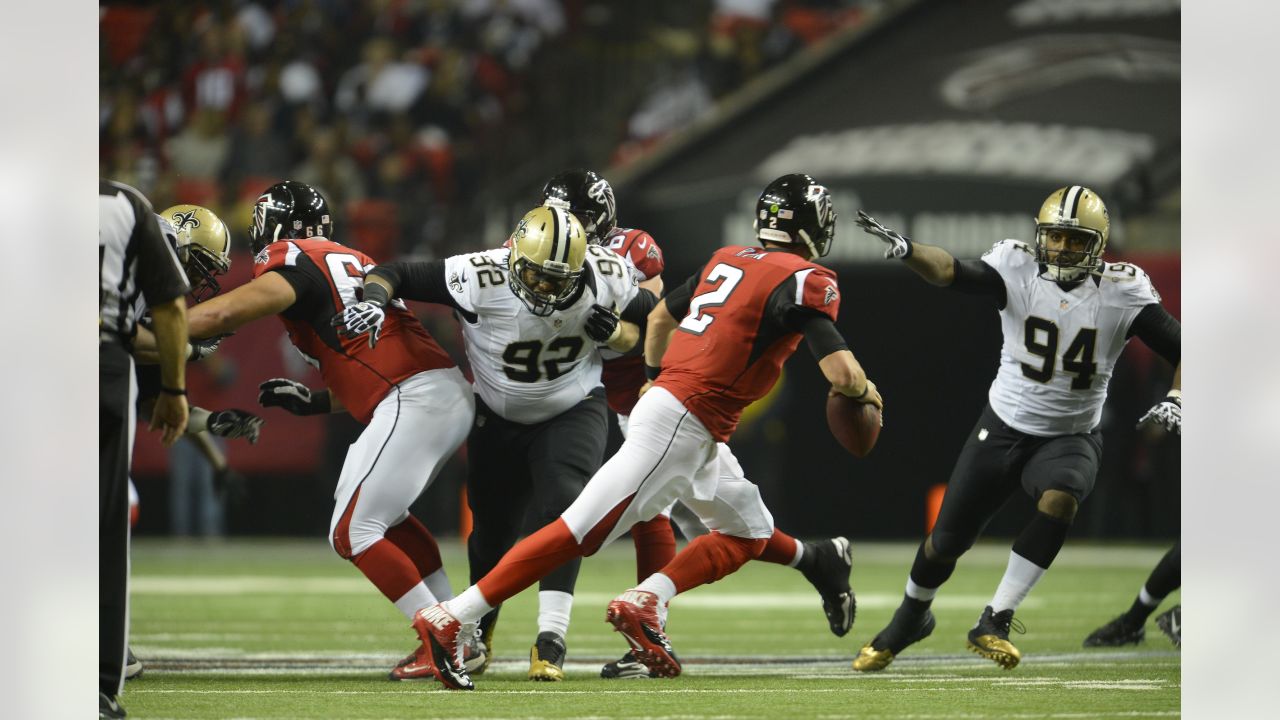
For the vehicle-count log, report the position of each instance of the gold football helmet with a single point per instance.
(548, 248)
(1071, 233)
(204, 247)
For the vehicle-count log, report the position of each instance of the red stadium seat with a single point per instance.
(196, 191)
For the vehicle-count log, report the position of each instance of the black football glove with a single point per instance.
(899, 244)
(1167, 414)
(292, 396)
(235, 424)
(201, 349)
(359, 319)
(602, 324)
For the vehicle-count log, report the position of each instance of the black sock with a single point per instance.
(1041, 539)
(930, 573)
(1167, 576)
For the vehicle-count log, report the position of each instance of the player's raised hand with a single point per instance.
(1167, 414)
(235, 424)
(602, 324)
(292, 396)
(359, 319)
(899, 245)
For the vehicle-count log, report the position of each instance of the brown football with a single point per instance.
(855, 425)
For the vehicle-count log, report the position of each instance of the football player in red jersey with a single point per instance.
(825, 563)
(415, 402)
(729, 328)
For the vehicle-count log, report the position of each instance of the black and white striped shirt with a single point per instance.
(133, 258)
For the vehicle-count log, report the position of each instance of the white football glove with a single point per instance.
(899, 244)
(1167, 414)
(235, 424)
(356, 320)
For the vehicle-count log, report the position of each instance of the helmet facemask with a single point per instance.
(202, 267)
(526, 277)
(1069, 265)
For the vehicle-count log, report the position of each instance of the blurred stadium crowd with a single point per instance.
(415, 117)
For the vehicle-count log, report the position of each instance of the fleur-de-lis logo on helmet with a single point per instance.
(184, 220)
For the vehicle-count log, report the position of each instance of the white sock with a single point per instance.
(468, 607)
(795, 561)
(915, 592)
(553, 612)
(659, 585)
(438, 583)
(1019, 578)
(1148, 599)
(418, 597)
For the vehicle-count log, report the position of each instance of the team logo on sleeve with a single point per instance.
(455, 283)
(262, 257)
(830, 295)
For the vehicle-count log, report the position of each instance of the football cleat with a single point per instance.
(625, 668)
(132, 666)
(907, 627)
(475, 651)
(990, 637)
(546, 658)
(417, 666)
(634, 613)
(1170, 623)
(1116, 633)
(828, 572)
(440, 633)
(109, 707)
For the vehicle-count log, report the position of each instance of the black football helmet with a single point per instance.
(588, 196)
(289, 210)
(796, 210)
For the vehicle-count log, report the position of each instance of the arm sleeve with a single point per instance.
(637, 311)
(422, 281)
(822, 336)
(679, 297)
(978, 278)
(1160, 331)
(308, 284)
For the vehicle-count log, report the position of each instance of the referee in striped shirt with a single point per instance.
(133, 258)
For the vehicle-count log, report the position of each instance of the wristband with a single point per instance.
(377, 294)
(650, 372)
(172, 391)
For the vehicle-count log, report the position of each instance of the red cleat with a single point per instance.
(417, 666)
(634, 613)
(439, 632)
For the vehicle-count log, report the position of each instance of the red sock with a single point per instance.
(655, 545)
(529, 561)
(388, 568)
(413, 538)
(780, 549)
(709, 558)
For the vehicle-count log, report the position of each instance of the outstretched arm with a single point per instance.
(266, 295)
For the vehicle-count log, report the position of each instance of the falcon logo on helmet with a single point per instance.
(589, 197)
(1071, 233)
(286, 211)
(203, 246)
(548, 250)
(796, 210)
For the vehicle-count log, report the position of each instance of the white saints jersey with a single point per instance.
(528, 368)
(1060, 347)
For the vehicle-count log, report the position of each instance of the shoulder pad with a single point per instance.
(1132, 282)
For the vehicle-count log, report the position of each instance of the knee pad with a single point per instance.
(949, 546)
(1060, 502)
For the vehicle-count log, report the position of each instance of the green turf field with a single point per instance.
(285, 629)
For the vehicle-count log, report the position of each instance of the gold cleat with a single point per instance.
(991, 647)
(546, 658)
(990, 638)
(871, 660)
